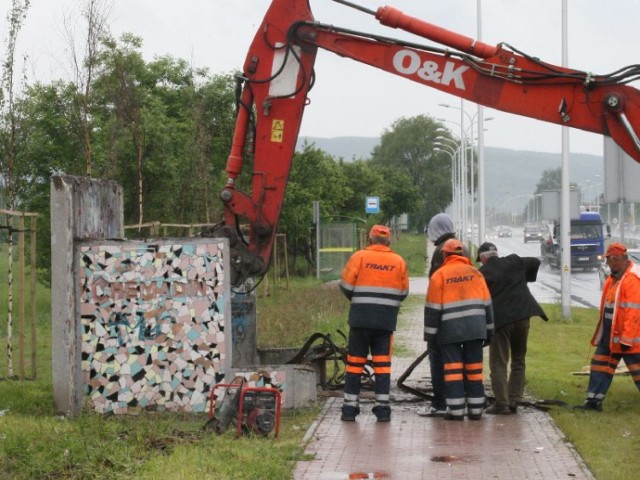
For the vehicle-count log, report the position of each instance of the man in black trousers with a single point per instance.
(513, 306)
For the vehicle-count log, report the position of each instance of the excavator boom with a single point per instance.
(278, 73)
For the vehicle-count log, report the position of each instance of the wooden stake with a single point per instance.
(33, 298)
(21, 295)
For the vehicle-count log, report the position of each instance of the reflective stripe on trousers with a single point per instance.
(361, 342)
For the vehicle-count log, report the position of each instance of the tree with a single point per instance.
(127, 86)
(550, 180)
(52, 146)
(189, 119)
(166, 130)
(314, 176)
(398, 193)
(408, 146)
(11, 132)
(363, 181)
(209, 119)
(95, 14)
(11, 140)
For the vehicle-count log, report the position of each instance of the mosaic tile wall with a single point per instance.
(152, 325)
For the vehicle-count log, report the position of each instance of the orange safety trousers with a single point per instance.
(379, 343)
(603, 367)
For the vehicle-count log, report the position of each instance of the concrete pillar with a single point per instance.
(81, 209)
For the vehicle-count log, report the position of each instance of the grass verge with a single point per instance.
(413, 249)
(559, 348)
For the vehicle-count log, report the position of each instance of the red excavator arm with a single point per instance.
(278, 73)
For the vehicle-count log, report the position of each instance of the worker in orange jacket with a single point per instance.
(617, 335)
(458, 316)
(375, 280)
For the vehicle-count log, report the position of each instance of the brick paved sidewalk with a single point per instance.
(523, 446)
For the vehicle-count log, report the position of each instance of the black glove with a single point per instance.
(624, 347)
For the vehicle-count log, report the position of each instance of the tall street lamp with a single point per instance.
(470, 139)
(480, 113)
(455, 150)
(440, 147)
(597, 183)
(463, 160)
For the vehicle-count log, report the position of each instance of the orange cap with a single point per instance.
(379, 231)
(616, 249)
(453, 245)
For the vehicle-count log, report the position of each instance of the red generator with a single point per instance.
(255, 409)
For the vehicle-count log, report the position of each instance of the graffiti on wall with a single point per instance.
(152, 325)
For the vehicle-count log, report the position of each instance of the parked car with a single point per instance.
(532, 232)
(504, 232)
(603, 270)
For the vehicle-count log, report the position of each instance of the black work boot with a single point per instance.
(349, 413)
(496, 409)
(382, 413)
(591, 404)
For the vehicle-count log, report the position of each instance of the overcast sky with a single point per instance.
(352, 99)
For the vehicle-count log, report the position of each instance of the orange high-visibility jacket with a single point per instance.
(376, 280)
(458, 306)
(625, 327)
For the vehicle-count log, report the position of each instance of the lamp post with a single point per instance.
(565, 222)
(454, 149)
(480, 112)
(454, 194)
(511, 199)
(461, 214)
(594, 197)
(463, 161)
(469, 138)
(596, 185)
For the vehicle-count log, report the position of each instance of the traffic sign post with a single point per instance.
(372, 205)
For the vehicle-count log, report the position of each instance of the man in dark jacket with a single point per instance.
(513, 306)
(439, 230)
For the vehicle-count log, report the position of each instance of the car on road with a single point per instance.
(532, 233)
(504, 232)
(603, 270)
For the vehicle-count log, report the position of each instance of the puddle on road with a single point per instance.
(362, 475)
(453, 459)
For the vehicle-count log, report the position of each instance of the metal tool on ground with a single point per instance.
(543, 405)
(319, 349)
(402, 378)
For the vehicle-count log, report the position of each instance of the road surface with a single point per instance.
(585, 286)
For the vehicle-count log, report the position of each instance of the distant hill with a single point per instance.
(347, 148)
(507, 172)
(513, 172)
